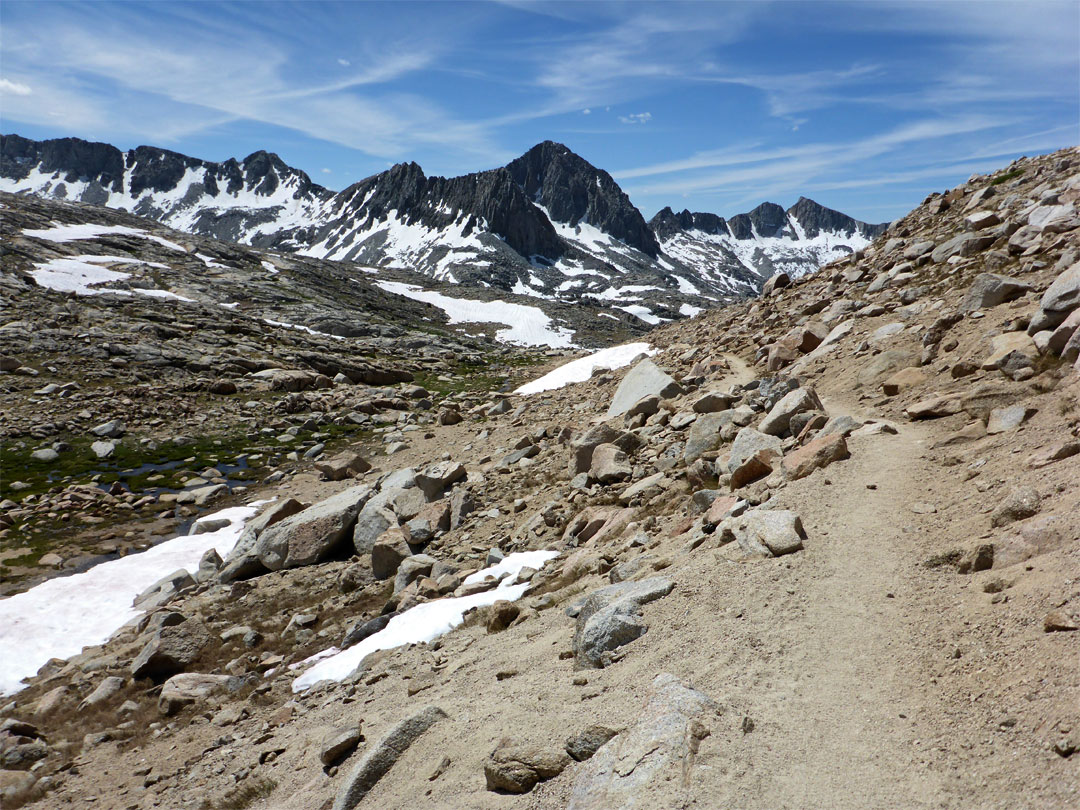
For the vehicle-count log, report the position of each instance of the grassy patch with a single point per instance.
(1005, 178)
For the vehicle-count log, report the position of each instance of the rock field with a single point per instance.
(821, 550)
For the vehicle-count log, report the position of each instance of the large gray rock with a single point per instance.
(312, 535)
(274, 513)
(609, 465)
(747, 443)
(105, 690)
(778, 420)
(164, 589)
(435, 479)
(388, 552)
(584, 444)
(641, 381)
(418, 565)
(381, 756)
(990, 289)
(1060, 298)
(611, 617)
(170, 650)
(764, 532)
(704, 435)
(371, 523)
(635, 770)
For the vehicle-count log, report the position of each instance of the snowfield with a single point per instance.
(59, 617)
(527, 326)
(425, 622)
(581, 369)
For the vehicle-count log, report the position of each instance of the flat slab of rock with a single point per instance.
(747, 443)
(990, 289)
(310, 536)
(380, 757)
(344, 465)
(642, 380)
(634, 770)
(193, 687)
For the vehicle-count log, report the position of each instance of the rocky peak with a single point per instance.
(815, 218)
(768, 219)
(574, 191)
(667, 223)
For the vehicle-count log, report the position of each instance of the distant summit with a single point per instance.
(549, 224)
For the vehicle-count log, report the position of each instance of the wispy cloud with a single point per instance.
(14, 88)
(636, 118)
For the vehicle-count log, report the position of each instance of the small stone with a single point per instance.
(1057, 621)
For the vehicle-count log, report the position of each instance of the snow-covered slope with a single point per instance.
(548, 225)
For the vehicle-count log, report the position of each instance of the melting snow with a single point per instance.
(689, 310)
(528, 326)
(88, 230)
(644, 313)
(80, 274)
(59, 617)
(425, 622)
(581, 369)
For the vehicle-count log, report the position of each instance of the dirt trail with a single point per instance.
(849, 690)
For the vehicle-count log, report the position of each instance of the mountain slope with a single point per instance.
(548, 225)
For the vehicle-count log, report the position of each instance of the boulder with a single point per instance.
(112, 429)
(1060, 298)
(435, 479)
(388, 552)
(344, 465)
(935, 407)
(516, 767)
(311, 535)
(164, 590)
(611, 617)
(338, 743)
(380, 756)
(704, 435)
(371, 523)
(764, 532)
(584, 745)
(775, 282)
(749, 442)
(815, 455)
(777, 421)
(364, 628)
(641, 381)
(411, 568)
(756, 466)
(634, 771)
(1019, 503)
(193, 687)
(105, 690)
(584, 444)
(274, 513)
(171, 650)
(712, 402)
(609, 465)
(990, 289)
(902, 380)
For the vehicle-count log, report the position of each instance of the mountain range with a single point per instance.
(548, 225)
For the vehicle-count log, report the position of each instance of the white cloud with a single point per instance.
(636, 118)
(326, 171)
(15, 88)
(344, 62)
(586, 111)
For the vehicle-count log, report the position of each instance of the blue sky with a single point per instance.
(863, 106)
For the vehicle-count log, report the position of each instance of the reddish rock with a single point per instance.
(815, 455)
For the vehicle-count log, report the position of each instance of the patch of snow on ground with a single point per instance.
(424, 622)
(59, 617)
(528, 326)
(88, 230)
(644, 313)
(689, 310)
(269, 267)
(307, 329)
(581, 369)
(81, 274)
